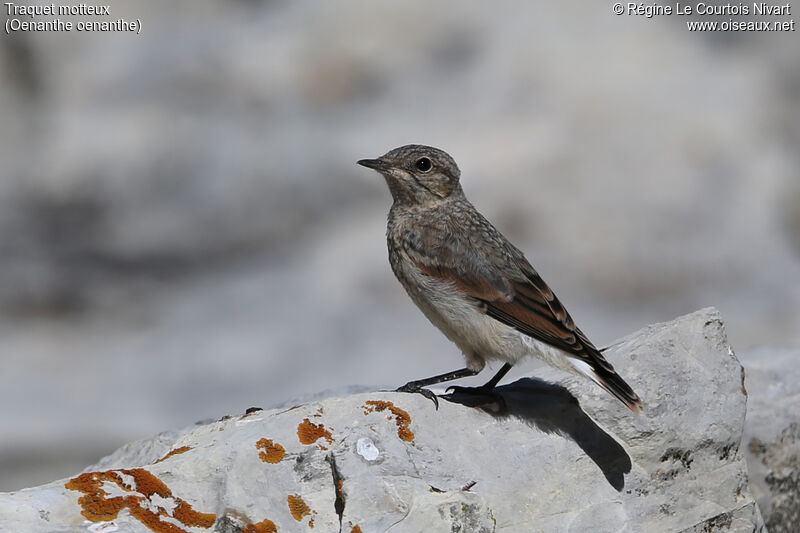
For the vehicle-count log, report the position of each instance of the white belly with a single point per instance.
(481, 338)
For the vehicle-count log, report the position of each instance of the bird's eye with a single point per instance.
(423, 164)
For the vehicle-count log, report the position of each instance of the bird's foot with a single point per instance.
(477, 397)
(415, 387)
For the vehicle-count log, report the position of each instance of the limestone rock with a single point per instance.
(772, 435)
(384, 461)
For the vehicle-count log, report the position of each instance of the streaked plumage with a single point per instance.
(471, 282)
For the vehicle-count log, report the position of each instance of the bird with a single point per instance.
(475, 286)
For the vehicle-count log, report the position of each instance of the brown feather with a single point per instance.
(505, 286)
(531, 307)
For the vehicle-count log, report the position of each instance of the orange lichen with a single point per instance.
(298, 507)
(338, 503)
(309, 433)
(176, 451)
(272, 451)
(402, 418)
(356, 529)
(98, 506)
(265, 526)
(292, 408)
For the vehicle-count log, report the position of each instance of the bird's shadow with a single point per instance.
(553, 409)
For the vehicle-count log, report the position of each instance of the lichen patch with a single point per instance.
(309, 433)
(235, 520)
(402, 418)
(271, 452)
(292, 408)
(147, 498)
(300, 509)
(265, 526)
(176, 451)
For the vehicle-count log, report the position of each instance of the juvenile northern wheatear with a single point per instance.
(473, 284)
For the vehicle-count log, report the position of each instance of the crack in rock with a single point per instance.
(338, 503)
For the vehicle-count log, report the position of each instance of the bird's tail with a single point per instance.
(613, 383)
(606, 377)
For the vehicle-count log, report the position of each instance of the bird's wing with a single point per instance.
(507, 288)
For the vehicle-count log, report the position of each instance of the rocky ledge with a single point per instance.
(564, 457)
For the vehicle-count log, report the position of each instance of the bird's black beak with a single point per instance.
(375, 164)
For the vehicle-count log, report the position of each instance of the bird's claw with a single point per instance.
(414, 388)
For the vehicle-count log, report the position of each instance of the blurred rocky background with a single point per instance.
(184, 232)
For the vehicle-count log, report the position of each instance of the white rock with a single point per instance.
(772, 435)
(390, 461)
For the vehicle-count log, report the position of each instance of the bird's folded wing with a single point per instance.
(539, 314)
(514, 295)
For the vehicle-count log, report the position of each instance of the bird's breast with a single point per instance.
(459, 317)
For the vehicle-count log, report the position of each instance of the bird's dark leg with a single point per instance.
(413, 386)
(485, 393)
(418, 385)
(489, 385)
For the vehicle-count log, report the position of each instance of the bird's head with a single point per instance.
(417, 174)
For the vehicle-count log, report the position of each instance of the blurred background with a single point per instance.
(184, 232)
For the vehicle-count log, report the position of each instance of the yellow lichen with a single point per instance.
(402, 418)
(298, 507)
(272, 451)
(309, 433)
(98, 506)
(176, 451)
(265, 526)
